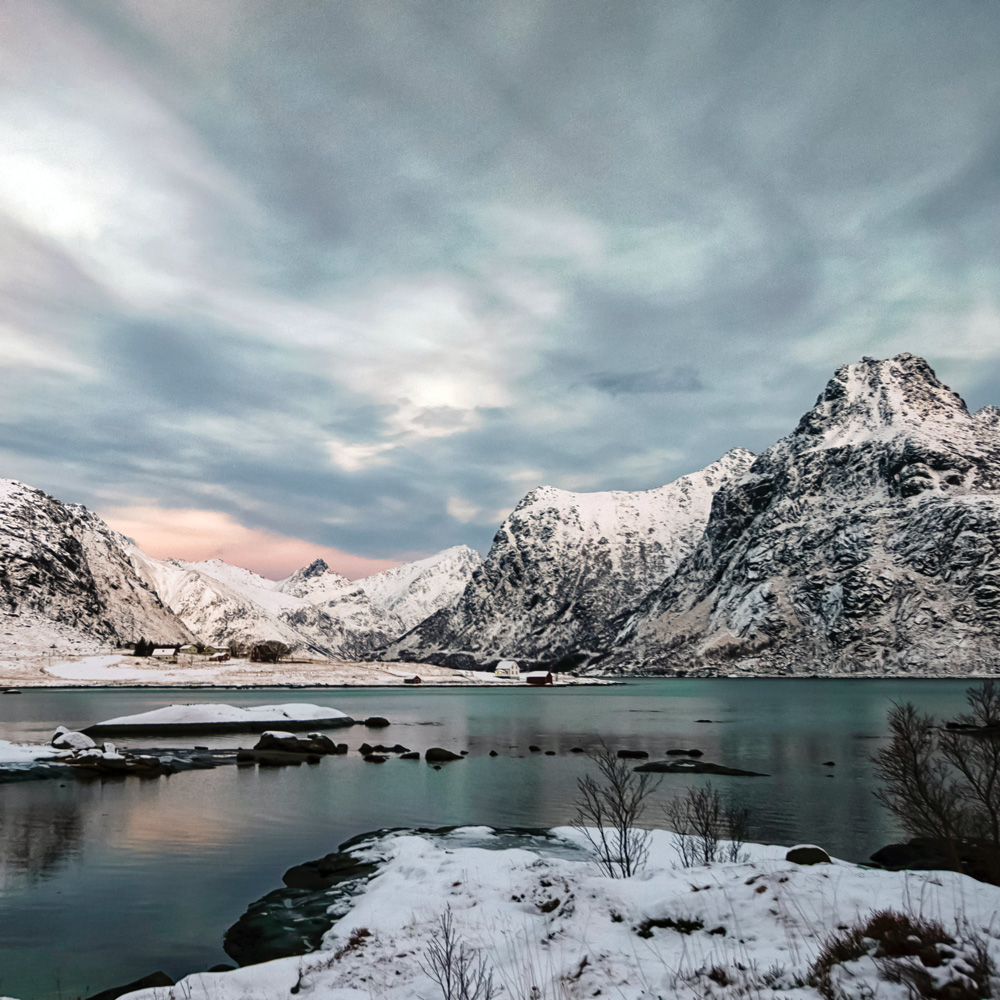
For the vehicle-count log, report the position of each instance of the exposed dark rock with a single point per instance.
(535, 749)
(376, 722)
(633, 754)
(375, 758)
(493, 753)
(410, 755)
(214, 728)
(977, 860)
(577, 750)
(684, 753)
(695, 767)
(147, 982)
(439, 755)
(808, 854)
(314, 743)
(829, 763)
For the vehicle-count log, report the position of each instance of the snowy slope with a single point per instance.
(61, 564)
(416, 590)
(867, 540)
(564, 564)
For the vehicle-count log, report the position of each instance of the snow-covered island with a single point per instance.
(545, 923)
(218, 718)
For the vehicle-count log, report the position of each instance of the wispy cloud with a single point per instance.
(343, 272)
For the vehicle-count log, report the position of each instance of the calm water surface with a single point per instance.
(106, 881)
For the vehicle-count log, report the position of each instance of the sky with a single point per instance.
(347, 279)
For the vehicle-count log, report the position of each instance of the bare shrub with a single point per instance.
(609, 811)
(914, 952)
(944, 784)
(461, 972)
(707, 828)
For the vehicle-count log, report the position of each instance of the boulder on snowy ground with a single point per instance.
(807, 854)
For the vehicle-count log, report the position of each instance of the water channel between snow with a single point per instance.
(105, 881)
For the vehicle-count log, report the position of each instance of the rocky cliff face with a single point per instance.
(563, 565)
(61, 564)
(868, 540)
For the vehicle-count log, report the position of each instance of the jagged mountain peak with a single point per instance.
(316, 568)
(866, 540)
(878, 398)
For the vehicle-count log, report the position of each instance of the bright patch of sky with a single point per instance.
(359, 275)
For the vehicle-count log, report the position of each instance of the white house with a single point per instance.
(507, 668)
(164, 652)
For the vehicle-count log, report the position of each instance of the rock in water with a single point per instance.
(563, 565)
(67, 739)
(438, 755)
(868, 540)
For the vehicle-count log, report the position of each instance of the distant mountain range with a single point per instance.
(66, 574)
(867, 540)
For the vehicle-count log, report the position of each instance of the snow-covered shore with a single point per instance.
(549, 925)
(104, 668)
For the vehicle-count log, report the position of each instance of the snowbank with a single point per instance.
(25, 753)
(548, 919)
(94, 668)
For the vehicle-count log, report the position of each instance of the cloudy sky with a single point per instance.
(349, 278)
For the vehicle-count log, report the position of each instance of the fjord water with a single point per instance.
(104, 881)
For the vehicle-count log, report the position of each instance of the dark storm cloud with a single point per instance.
(366, 272)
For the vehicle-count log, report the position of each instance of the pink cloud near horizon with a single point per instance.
(194, 535)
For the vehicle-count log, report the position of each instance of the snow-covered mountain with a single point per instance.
(415, 590)
(867, 540)
(67, 578)
(563, 565)
(314, 608)
(63, 568)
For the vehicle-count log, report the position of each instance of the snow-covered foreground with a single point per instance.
(550, 926)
